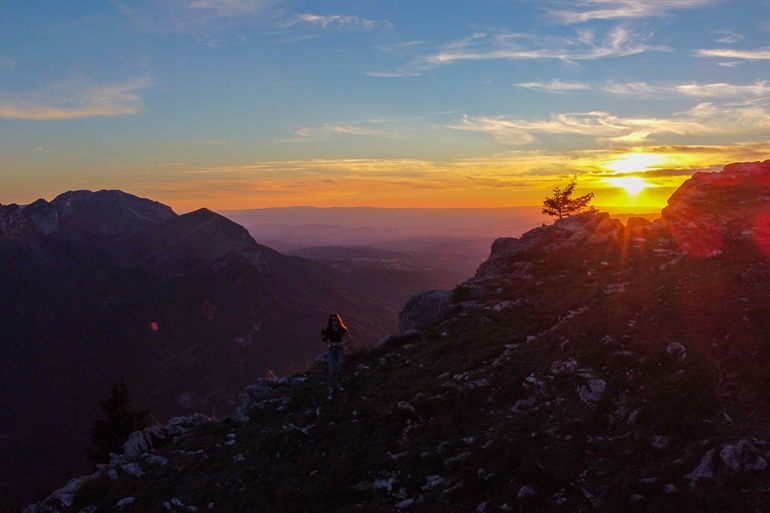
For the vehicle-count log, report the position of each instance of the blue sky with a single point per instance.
(238, 104)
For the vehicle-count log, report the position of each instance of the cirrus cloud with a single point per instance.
(746, 119)
(588, 10)
(618, 42)
(731, 53)
(74, 98)
(335, 20)
(554, 86)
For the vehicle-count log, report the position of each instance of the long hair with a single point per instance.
(329, 327)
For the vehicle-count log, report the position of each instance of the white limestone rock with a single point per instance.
(421, 310)
(677, 351)
(566, 367)
(593, 392)
(742, 456)
(526, 492)
(124, 502)
(704, 470)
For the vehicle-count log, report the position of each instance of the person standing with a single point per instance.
(337, 336)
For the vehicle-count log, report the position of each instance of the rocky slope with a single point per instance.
(587, 366)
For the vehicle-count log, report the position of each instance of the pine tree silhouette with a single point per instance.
(120, 420)
(561, 204)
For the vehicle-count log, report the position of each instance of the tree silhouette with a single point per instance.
(120, 420)
(561, 203)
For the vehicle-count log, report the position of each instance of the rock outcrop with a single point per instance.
(420, 310)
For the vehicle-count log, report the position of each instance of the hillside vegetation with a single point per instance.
(587, 366)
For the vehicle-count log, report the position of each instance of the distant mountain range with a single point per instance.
(587, 366)
(95, 285)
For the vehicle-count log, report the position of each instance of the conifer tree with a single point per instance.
(562, 205)
(120, 420)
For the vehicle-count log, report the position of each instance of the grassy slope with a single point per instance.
(587, 455)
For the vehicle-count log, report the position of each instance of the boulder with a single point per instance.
(742, 457)
(421, 310)
(677, 350)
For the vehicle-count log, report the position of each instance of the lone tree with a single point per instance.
(121, 419)
(561, 203)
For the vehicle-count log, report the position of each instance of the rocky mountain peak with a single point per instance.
(78, 214)
(196, 239)
(107, 212)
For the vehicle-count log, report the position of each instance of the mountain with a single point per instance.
(96, 285)
(586, 366)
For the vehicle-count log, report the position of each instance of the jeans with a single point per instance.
(334, 358)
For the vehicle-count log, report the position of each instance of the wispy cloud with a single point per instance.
(5, 61)
(75, 98)
(721, 90)
(326, 132)
(618, 42)
(587, 10)
(729, 37)
(212, 22)
(718, 90)
(392, 74)
(747, 118)
(637, 89)
(521, 176)
(730, 53)
(554, 86)
(338, 21)
(194, 142)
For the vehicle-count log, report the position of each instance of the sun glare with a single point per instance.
(633, 185)
(634, 162)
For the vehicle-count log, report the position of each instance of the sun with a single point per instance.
(633, 185)
(634, 162)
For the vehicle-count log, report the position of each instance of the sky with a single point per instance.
(235, 104)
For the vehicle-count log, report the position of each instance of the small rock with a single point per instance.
(433, 482)
(404, 504)
(403, 405)
(526, 492)
(593, 392)
(132, 468)
(523, 404)
(479, 383)
(704, 470)
(669, 488)
(677, 350)
(567, 367)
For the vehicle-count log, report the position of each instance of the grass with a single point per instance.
(589, 454)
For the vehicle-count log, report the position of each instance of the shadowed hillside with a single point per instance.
(587, 366)
(96, 285)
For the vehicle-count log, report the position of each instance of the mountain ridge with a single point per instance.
(587, 365)
(95, 285)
